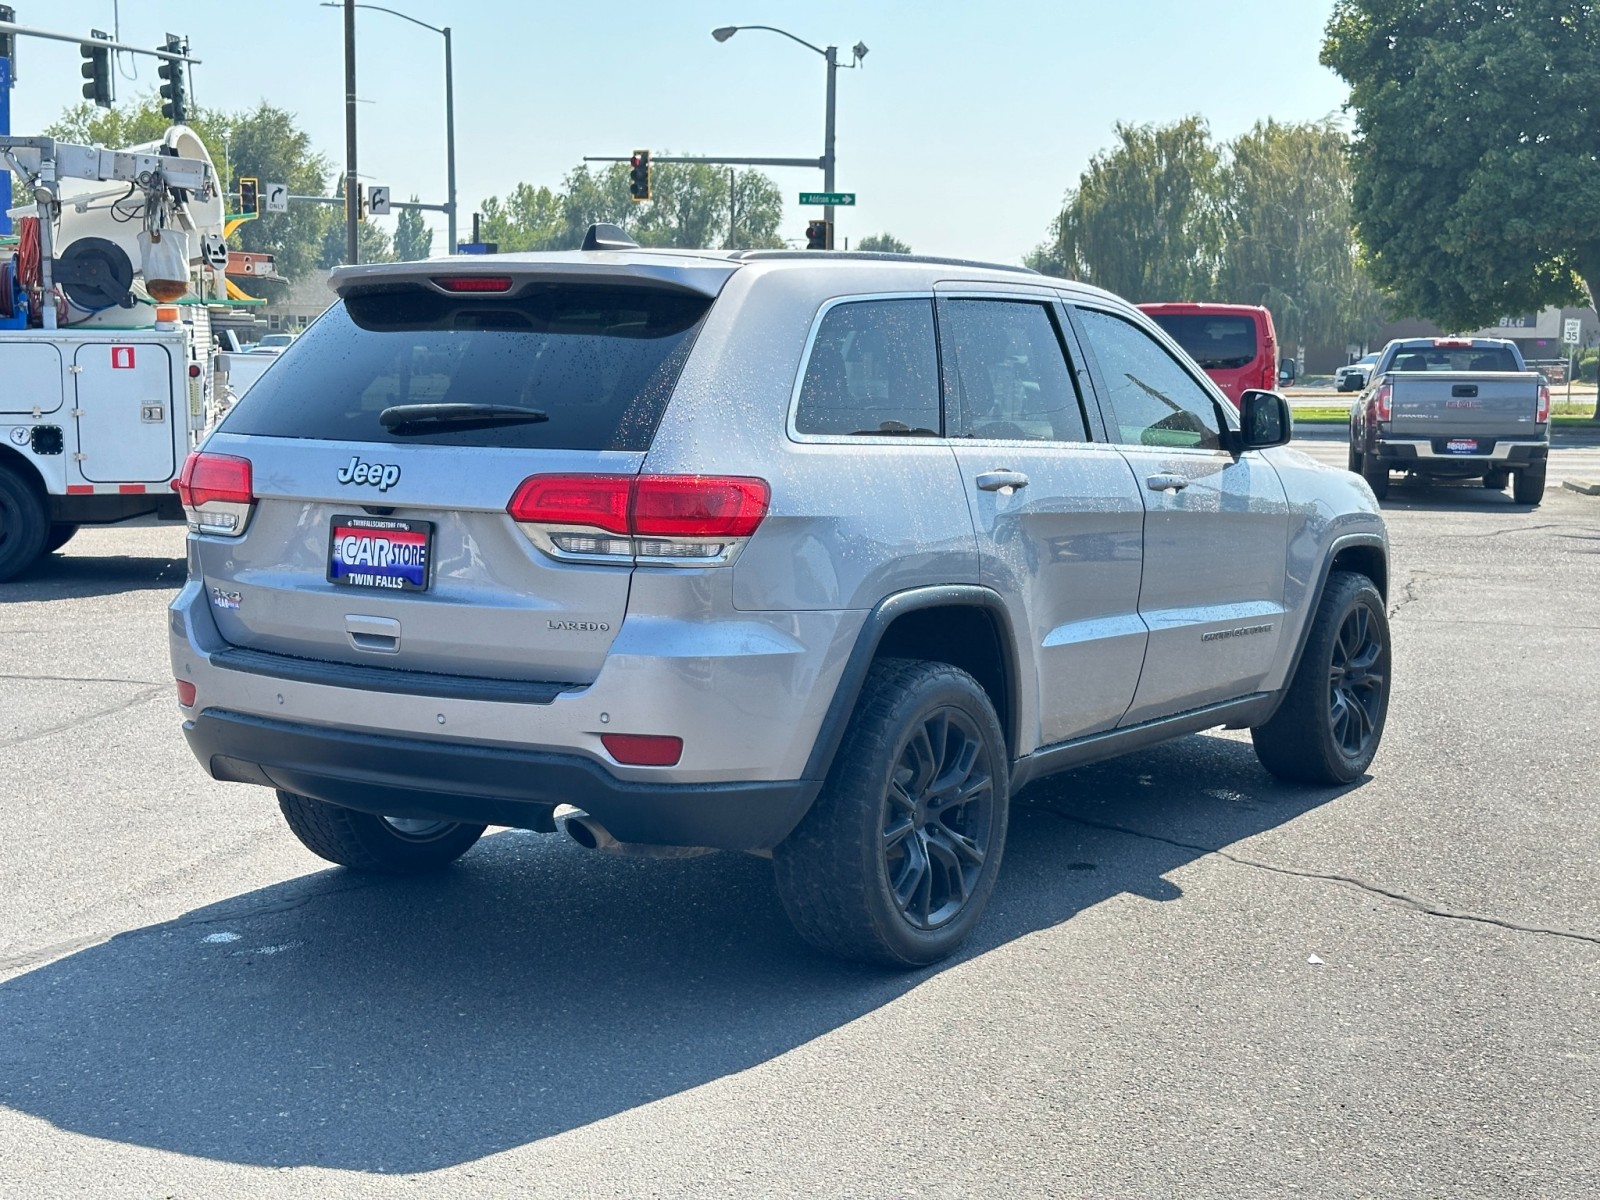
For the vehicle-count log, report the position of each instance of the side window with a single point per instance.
(1153, 401)
(1006, 375)
(874, 369)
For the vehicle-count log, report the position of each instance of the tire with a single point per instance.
(364, 842)
(60, 534)
(1331, 720)
(1376, 472)
(24, 525)
(1496, 480)
(1527, 486)
(887, 868)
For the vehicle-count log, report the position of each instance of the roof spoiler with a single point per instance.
(602, 236)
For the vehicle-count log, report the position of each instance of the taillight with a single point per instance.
(217, 493)
(1380, 402)
(1544, 405)
(687, 519)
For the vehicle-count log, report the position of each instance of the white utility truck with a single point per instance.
(105, 341)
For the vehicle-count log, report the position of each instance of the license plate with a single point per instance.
(381, 553)
(1462, 445)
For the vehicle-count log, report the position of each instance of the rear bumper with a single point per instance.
(491, 785)
(1404, 453)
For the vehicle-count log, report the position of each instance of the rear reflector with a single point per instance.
(185, 693)
(643, 749)
(475, 283)
(209, 477)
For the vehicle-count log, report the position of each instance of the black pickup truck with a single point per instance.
(1453, 408)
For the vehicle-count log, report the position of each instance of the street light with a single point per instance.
(449, 109)
(831, 54)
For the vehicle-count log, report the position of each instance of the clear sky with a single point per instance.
(960, 133)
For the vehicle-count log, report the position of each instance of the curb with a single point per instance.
(1584, 487)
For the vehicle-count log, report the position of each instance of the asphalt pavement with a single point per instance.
(1193, 980)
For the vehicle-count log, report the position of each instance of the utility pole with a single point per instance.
(832, 55)
(352, 192)
(450, 138)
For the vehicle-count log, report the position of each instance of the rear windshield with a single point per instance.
(599, 362)
(1214, 342)
(1454, 358)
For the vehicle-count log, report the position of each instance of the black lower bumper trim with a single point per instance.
(409, 777)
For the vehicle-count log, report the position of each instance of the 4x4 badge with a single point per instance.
(383, 476)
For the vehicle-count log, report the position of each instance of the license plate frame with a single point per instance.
(1461, 446)
(393, 539)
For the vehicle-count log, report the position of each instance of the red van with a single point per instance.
(1235, 344)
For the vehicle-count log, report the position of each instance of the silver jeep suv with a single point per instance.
(818, 556)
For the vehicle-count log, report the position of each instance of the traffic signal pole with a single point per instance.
(832, 55)
(352, 191)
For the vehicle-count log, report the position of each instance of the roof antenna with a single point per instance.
(602, 236)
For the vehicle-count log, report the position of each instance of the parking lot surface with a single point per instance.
(1192, 980)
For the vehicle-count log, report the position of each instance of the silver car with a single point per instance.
(818, 556)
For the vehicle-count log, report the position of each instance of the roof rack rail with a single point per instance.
(879, 256)
(605, 236)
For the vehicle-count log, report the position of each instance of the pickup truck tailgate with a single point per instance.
(1437, 404)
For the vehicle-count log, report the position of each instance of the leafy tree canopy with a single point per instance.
(413, 240)
(1264, 219)
(1477, 183)
(883, 243)
(1144, 219)
(691, 206)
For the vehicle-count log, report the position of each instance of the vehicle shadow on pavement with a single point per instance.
(534, 987)
(79, 576)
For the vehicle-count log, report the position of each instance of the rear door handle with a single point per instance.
(994, 481)
(1166, 483)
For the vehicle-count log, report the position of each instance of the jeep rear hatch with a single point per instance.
(382, 453)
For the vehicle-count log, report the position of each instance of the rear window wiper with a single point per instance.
(400, 417)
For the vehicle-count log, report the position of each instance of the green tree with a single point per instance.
(883, 243)
(1286, 235)
(690, 207)
(1477, 181)
(1144, 220)
(413, 240)
(263, 143)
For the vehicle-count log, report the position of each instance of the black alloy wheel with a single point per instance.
(897, 857)
(937, 814)
(1357, 682)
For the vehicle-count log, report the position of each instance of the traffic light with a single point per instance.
(97, 70)
(250, 197)
(8, 40)
(174, 94)
(639, 176)
(819, 235)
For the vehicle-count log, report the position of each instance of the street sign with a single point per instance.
(477, 247)
(835, 198)
(378, 201)
(1572, 331)
(277, 197)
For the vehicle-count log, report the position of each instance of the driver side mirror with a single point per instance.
(1264, 420)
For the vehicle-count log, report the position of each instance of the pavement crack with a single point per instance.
(1363, 885)
(149, 683)
(137, 699)
(1412, 592)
